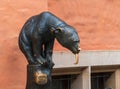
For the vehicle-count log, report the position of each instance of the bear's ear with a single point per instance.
(58, 30)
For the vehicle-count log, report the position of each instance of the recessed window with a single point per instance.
(62, 82)
(98, 80)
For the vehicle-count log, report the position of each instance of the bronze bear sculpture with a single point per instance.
(37, 36)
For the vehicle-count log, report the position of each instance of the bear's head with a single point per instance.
(68, 38)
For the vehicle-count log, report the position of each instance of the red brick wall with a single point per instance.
(13, 15)
(97, 22)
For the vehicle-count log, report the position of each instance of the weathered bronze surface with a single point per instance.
(36, 41)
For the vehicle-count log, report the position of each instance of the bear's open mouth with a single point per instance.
(75, 50)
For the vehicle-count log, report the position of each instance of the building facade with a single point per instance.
(95, 70)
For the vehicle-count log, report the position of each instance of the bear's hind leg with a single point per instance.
(25, 47)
